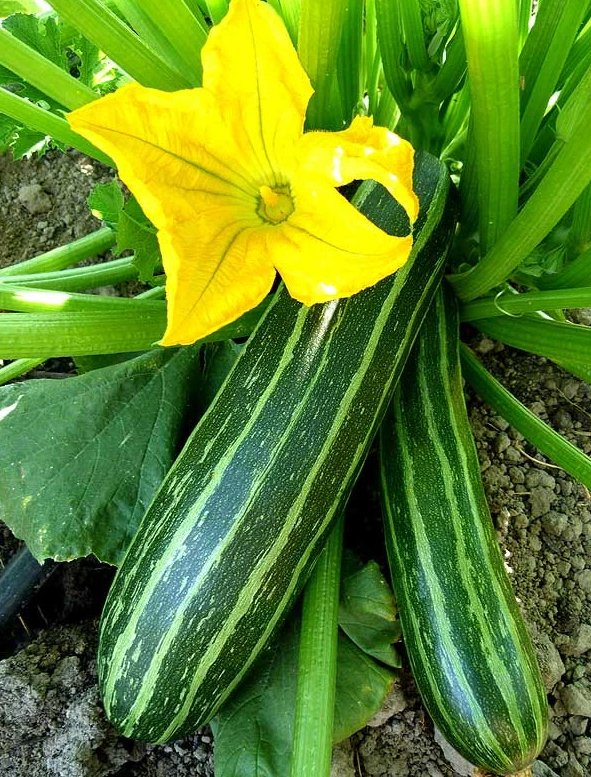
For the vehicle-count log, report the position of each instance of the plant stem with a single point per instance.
(107, 31)
(26, 299)
(183, 33)
(26, 335)
(64, 256)
(560, 341)
(549, 442)
(319, 38)
(43, 74)
(79, 278)
(41, 120)
(491, 42)
(542, 59)
(509, 304)
(314, 715)
(17, 368)
(565, 180)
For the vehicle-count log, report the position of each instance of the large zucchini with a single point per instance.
(234, 529)
(467, 644)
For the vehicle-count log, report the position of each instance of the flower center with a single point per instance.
(275, 205)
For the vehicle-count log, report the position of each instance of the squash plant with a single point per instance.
(200, 106)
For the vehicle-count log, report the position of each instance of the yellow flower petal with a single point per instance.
(361, 152)
(327, 249)
(213, 273)
(251, 66)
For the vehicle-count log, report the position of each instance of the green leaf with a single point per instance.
(362, 688)
(82, 457)
(106, 202)
(254, 730)
(137, 233)
(8, 7)
(367, 613)
(40, 34)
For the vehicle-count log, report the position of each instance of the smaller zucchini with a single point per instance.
(467, 644)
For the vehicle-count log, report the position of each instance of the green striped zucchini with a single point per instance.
(467, 644)
(232, 533)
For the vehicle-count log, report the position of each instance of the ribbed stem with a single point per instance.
(64, 256)
(491, 42)
(560, 187)
(515, 304)
(17, 368)
(107, 31)
(43, 74)
(317, 668)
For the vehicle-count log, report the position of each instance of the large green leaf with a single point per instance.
(81, 458)
(253, 731)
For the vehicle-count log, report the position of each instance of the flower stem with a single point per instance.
(64, 256)
(316, 688)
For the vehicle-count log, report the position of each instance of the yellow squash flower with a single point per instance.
(237, 191)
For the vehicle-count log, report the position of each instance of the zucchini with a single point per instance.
(467, 644)
(234, 529)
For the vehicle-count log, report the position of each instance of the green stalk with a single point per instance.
(79, 278)
(563, 183)
(350, 57)
(17, 368)
(26, 335)
(150, 33)
(38, 119)
(182, 33)
(515, 304)
(319, 39)
(392, 49)
(25, 299)
(557, 340)
(412, 24)
(107, 31)
(44, 75)
(491, 41)
(317, 667)
(64, 256)
(452, 71)
(549, 442)
(542, 60)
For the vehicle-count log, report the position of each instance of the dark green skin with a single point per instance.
(467, 644)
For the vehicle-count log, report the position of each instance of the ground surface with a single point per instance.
(51, 722)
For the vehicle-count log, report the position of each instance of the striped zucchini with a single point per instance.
(234, 529)
(467, 644)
